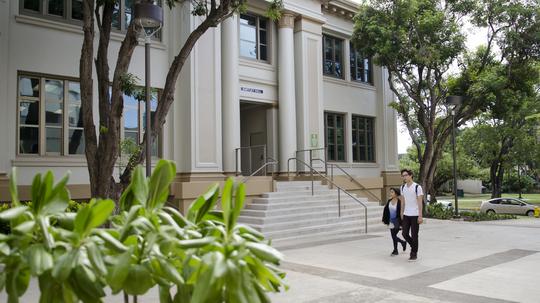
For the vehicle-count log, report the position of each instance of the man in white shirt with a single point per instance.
(411, 199)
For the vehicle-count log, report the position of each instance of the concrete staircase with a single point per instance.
(292, 217)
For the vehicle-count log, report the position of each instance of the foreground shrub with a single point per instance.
(205, 256)
(439, 211)
(479, 216)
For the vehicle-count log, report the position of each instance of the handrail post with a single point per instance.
(365, 217)
(332, 174)
(264, 160)
(250, 168)
(236, 161)
(339, 202)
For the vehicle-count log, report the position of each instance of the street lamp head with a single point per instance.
(454, 100)
(148, 14)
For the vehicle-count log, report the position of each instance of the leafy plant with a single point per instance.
(439, 211)
(480, 216)
(205, 256)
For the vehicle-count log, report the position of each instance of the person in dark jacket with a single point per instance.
(392, 218)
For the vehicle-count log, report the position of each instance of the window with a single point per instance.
(333, 56)
(360, 67)
(253, 37)
(68, 10)
(362, 139)
(72, 11)
(50, 117)
(135, 120)
(335, 136)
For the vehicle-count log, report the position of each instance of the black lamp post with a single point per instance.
(452, 102)
(150, 17)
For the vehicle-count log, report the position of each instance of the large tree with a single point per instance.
(102, 142)
(420, 41)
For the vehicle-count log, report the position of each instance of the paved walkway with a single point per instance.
(458, 262)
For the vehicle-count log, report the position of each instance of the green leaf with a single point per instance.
(66, 220)
(85, 286)
(177, 217)
(25, 227)
(12, 213)
(165, 295)
(138, 281)
(44, 228)
(238, 205)
(39, 259)
(226, 201)
(139, 186)
(119, 271)
(195, 243)
(170, 272)
(13, 187)
(160, 181)
(96, 258)
(64, 265)
(112, 241)
(208, 197)
(36, 187)
(17, 280)
(99, 213)
(57, 199)
(265, 252)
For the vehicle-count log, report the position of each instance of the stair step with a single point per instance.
(310, 230)
(281, 226)
(303, 210)
(295, 217)
(309, 204)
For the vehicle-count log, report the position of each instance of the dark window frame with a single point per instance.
(333, 72)
(333, 148)
(366, 131)
(355, 58)
(258, 30)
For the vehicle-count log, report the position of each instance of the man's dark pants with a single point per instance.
(411, 223)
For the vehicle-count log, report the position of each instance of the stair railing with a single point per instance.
(264, 166)
(340, 189)
(249, 148)
(351, 178)
(310, 151)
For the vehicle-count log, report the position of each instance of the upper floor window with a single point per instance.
(254, 37)
(335, 136)
(70, 10)
(50, 118)
(333, 56)
(363, 142)
(360, 67)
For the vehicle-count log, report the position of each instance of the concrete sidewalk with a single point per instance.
(458, 262)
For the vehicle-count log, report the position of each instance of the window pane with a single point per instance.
(128, 11)
(29, 112)
(53, 136)
(341, 152)
(131, 114)
(248, 33)
(32, 5)
(248, 49)
(264, 55)
(76, 9)
(76, 142)
(29, 87)
(131, 135)
(262, 23)
(74, 109)
(29, 138)
(338, 58)
(363, 153)
(56, 7)
(54, 92)
(248, 20)
(330, 120)
(116, 16)
(262, 37)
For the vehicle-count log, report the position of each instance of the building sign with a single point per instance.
(251, 90)
(314, 140)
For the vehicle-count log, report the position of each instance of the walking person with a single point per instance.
(411, 198)
(392, 218)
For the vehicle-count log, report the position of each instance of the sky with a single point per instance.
(475, 37)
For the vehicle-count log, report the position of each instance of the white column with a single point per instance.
(230, 90)
(287, 104)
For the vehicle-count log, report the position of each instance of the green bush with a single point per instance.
(205, 256)
(480, 216)
(438, 211)
(512, 183)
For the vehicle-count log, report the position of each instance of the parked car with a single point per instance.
(507, 206)
(445, 203)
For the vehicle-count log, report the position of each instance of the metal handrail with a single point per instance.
(334, 184)
(249, 148)
(258, 170)
(310, 150)
(362, 187)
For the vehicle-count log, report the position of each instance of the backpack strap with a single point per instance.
(416, 190)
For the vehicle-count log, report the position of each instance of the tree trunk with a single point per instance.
(496, 173)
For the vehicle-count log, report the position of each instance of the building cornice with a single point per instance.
(341, 8)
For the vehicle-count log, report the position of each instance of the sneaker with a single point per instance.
(413, 258)
(394, 253)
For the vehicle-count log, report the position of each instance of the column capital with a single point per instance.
(286, 20)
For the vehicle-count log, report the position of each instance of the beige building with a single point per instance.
(252, 90)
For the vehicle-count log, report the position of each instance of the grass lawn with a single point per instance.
(472, 201)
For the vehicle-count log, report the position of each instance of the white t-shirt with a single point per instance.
(409, 194)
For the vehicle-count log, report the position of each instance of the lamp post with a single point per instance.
(150, 17)
(453, 102)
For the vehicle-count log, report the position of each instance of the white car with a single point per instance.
(445, 203)
(507, 206)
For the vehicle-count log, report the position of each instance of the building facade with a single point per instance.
(252, 91)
